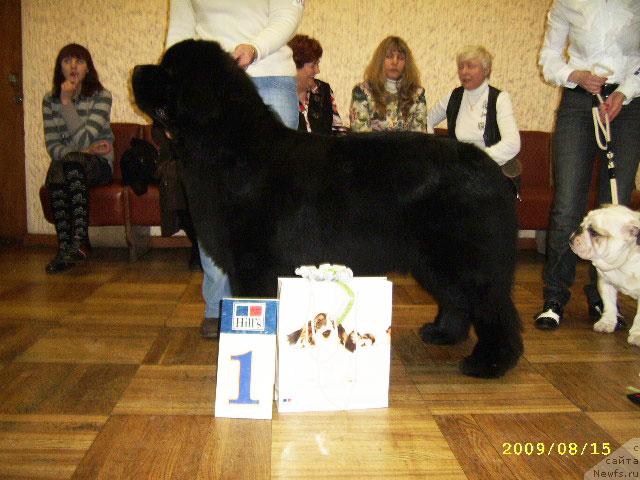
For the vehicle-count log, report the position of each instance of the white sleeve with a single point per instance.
(630, 86)
(509, 144)
(284, 17)
(552, 60)
(182, 22)
(438, 113)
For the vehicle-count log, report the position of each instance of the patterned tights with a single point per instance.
(70, 204)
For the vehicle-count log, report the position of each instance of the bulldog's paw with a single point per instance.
(605, 325)
(634, 339)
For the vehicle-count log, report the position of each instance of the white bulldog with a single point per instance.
(610, 238)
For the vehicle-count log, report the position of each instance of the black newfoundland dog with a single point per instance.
(266, 199)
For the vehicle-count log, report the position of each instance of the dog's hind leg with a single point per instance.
(499, 346)
(452, 323)
(450, 326)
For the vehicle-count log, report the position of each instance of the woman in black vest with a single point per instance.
(479, 113)
(318, 111)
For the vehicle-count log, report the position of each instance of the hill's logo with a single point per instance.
(249, 316)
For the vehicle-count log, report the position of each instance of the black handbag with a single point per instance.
(138, 165)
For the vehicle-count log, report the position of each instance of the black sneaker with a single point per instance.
(595, 312)
(550, 316)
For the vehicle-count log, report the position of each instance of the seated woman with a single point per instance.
(317, 105)
(391, 97)
(79, 140)
(478, 113)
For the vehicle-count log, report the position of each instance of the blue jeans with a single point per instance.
(574, 150)
(281, 94)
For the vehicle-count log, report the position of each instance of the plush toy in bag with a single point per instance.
(333, 340)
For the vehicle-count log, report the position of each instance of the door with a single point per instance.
(13, 209)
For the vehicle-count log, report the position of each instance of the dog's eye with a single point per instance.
(593, 233)
(161, 115)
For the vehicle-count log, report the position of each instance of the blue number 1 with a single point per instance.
(244, 388)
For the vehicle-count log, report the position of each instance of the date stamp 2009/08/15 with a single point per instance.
(556, 448)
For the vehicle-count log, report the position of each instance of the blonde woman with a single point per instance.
(479, 113)
(391, 97)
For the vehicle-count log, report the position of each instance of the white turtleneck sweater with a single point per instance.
(266, 24)
(471, 121)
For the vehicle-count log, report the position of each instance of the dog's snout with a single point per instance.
(577, 231)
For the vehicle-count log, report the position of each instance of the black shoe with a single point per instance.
(550, 316)
(210, 328)
(595, 312)
(60, 263)
(79, 251)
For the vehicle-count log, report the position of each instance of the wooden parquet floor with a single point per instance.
(103, 374)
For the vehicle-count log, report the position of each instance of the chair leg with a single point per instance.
(138, 237)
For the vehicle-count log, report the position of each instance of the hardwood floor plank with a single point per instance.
(186, 315)
(170, 390)
(594, 387)
(623, 426)
(45, 447)
(386, 443)
(556, 433)
(182, 346)
(16, 339)
(478, 458)
(237, 449)
(91, 344)
(146, 447)
(58, 388)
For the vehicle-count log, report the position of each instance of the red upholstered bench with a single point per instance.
(117, 205)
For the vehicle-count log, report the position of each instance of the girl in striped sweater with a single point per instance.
(79, 140)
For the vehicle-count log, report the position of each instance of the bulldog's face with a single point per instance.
(608, 236)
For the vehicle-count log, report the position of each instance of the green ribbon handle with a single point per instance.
(352, 299)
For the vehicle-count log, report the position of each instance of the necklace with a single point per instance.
(472, 106)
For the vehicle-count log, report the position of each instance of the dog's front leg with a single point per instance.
(634, 333)
(609, 295)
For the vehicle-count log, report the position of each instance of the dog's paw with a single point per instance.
(634, 339)
(605, 325)
(432, 333)
(493, 362)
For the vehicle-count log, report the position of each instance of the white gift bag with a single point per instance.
(333, 344)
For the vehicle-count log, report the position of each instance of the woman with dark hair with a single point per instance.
(317, 105)
(391, 97)
(79, 140)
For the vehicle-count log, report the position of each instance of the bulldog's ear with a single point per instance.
(633, 231)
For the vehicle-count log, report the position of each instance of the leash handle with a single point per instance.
(598, 125)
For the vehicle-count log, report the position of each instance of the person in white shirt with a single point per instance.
(255, 33)
(479, 113)
(603, 56)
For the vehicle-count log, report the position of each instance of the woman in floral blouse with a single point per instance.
(391, 97)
